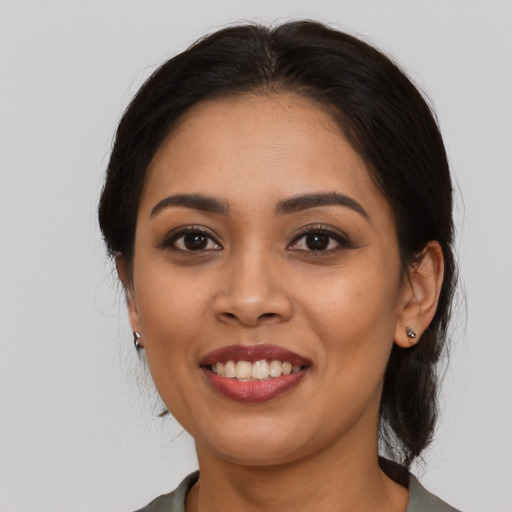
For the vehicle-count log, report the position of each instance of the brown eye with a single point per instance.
(317, 241)
(190, 240)
(195, 241)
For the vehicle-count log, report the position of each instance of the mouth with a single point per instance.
(254, 373)
(245, 371)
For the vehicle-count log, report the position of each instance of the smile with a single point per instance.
(254, 373)
(259, 370)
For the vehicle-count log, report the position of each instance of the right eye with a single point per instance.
(191, 240)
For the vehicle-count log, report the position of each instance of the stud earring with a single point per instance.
(411, 334)
(136, 340)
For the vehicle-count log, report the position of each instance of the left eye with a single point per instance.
(317, 241)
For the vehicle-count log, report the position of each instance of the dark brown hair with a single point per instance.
(388, 123)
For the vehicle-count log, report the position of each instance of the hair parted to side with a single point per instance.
(386, 120)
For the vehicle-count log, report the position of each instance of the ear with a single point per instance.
(420, 295)
(127, 282)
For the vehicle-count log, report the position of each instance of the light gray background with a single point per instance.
(75, 432)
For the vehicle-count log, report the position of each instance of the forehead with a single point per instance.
(253, 147)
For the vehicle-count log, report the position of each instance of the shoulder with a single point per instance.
(175, 500)
(420, 500)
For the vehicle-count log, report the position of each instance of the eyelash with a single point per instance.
(171, 238)
(341, 239)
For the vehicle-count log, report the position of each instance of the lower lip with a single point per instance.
(254, 391)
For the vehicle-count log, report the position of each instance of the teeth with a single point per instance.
(243, 370)
(287, 368)
(276, 369)
(259, 370)
(229, 370)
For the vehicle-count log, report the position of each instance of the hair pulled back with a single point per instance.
(383, 116)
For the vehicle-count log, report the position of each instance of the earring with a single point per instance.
(136, 340)
(411, 334)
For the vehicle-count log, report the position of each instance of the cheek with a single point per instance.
(169, 315)
(170, 310)
(349, 299)
(355, 326)
(167, 298)
(354, 314)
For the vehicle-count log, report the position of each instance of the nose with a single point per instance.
(253, 293)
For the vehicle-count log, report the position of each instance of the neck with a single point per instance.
(341, 478)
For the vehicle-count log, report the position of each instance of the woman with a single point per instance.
(278, 203)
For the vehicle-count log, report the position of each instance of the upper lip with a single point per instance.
(252, 353)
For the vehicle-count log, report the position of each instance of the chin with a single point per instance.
(258, 444)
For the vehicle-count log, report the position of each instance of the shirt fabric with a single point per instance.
(420, 500)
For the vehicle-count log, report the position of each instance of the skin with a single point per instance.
(257, 281)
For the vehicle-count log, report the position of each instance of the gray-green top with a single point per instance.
(420, 500)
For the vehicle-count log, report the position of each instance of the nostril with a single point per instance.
(250, 310)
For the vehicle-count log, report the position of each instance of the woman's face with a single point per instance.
(261, 237)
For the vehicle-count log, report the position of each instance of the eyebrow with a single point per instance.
(287, 206)
(193, 201)
(306, 201)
